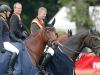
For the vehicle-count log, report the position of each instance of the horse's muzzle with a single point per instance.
(55, 45)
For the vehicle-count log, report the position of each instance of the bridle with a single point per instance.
(50, 42)
(91, 43)
(47, 35)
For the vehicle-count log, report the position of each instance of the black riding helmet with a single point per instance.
(4, 8)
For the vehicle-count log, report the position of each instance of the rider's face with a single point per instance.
(43, 14)
(8, 13)
(18, 9)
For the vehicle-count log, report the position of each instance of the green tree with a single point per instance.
(81, 14)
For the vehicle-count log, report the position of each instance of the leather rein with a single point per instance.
(45, 29)
(90, 43)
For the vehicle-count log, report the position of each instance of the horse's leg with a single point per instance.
(11, 65)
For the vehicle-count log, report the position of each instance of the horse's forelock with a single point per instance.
(50, 28)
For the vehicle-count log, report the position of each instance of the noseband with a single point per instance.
(91, 43)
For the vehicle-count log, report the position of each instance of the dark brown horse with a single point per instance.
(37, 42)
(65, 57)
(88, 39)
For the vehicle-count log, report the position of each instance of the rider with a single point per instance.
(36, 24)
(16, 25)
(6, 37)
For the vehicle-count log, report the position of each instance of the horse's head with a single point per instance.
(93, 41)
(51, 34)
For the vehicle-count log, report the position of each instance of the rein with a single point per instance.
(23, 43)
(47, 35)
(50, 28)
(90, 43)
(69, 48)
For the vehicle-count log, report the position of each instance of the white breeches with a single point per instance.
(9, 47)
(50, 50)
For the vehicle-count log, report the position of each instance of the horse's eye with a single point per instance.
(95, 39)
(47, 31)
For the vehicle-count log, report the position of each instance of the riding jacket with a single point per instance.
(5, 34)
(17, 27)
(36, 25)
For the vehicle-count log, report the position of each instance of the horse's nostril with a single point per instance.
(54, 45)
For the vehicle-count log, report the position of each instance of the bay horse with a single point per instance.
(62, 63)
(37, 42)
(65, 36)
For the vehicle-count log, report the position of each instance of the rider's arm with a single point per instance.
(12, 37)
(14, 24)
(1, 38)
(25, 29)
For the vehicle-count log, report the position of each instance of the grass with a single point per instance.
(87, 74)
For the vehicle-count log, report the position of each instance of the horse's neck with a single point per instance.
(36, 47)
(62, 38)
(75, 43)
(35, 42)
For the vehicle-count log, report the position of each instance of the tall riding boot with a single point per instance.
(44, 62)
(11, 65)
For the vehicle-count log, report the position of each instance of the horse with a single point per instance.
(35, 45)
(62, 63)
(65, 36)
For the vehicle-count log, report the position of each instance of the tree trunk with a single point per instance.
(79, 27)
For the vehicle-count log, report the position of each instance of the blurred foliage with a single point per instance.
(60, 32)
(80, 13)
(98, 34)
(30, 8)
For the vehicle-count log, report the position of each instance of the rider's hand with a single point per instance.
(19, 40)
(3, 50)
(23, 37)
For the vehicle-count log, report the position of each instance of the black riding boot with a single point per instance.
(44, 62)
(11, 65)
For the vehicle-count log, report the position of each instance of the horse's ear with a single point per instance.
(94, 28)
(53, 22)
(91, 30)
(70, 32)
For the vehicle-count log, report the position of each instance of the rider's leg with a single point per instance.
(8, 46)
(46, 59)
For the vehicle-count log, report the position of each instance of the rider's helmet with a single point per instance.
(4, 8)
